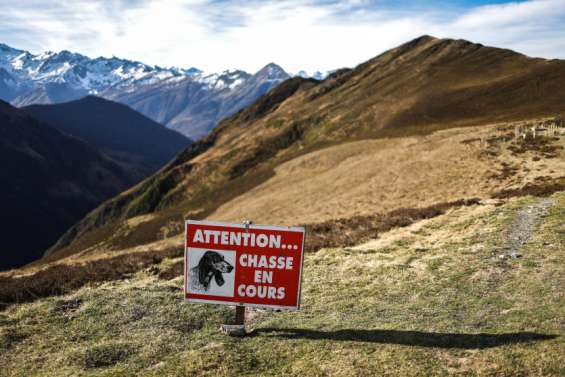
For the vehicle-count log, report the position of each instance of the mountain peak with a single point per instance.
(273, 67)
(272, 71)
(417, 42)
(425, 38)
(317, 75)
(426, 41)
(4, 46)
(427, 50)
(91, 98)
(190, 71)
(5, 49)
(66, 55)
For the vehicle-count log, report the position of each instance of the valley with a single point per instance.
(49, 181)
(140, 145)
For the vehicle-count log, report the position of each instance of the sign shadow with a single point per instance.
(409, 338)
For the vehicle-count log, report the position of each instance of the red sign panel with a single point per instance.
(230, 264)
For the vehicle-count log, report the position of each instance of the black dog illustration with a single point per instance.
(212, 264)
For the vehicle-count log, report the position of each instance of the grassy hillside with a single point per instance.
(366, 140)
(361, 178)
(442, 296)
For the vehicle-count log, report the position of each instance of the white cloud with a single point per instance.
(535, 28)
(534, 12)
(311, 35)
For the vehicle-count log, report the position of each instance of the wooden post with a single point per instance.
(238, 328)
(240, 315)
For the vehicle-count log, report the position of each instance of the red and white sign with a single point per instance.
(228, 264)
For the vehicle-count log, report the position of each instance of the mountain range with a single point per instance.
(137, 143)
(62, 160)
(188, 100)
(195, 104)
(49, 181)
(370, 139)
(52, 77)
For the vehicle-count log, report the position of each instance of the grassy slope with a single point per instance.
(427, 299)
(368, 176)
(422, 86)
(355, 178)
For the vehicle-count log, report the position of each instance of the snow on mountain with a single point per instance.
(76, 73)
(194, 105)
(230, 79)
(93, 75)
(315, 75)
(189, 100)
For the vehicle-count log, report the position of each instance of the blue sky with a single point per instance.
(297, 34)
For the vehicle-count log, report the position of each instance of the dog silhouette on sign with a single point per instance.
(211, 265)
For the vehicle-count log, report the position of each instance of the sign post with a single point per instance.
(243, 265)
(240, 315)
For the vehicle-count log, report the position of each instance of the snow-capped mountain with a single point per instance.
(315, 75)
(188, 100)
(24, 72)
(194, 105)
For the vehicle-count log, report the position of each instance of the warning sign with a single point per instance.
(233, 264)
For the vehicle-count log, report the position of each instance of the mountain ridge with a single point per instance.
(187, 100)
(50, 180)
(419, 88)
(131, 139)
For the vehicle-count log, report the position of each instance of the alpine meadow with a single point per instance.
(400, 217)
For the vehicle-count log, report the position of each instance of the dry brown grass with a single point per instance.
(351, 181)
(75, 272)
(358, 229)
(540, 188)
(377, 176)
(354, 230)
(80, 270)
(63, 278)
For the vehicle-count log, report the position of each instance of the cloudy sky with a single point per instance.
(214, 35)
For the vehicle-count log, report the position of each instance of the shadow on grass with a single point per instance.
(409, 338)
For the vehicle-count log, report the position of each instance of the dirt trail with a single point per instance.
(524, 225)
